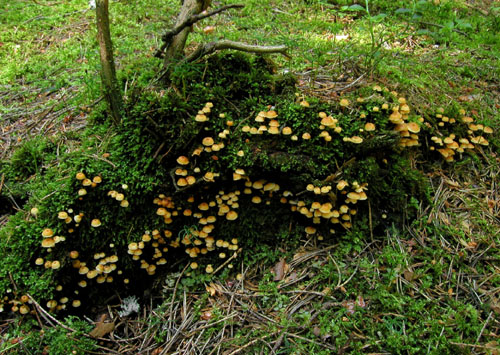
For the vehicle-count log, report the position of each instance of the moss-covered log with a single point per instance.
(230, 159)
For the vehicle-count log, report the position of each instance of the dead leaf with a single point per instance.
(207, 315)
(292, 277)
(316, 331)
(299, 255)
(409, 275)
(157, 351)
(280, 269)
(349, 306)
(208, 30)
(493, 345)
(101, 329)
(361, 302)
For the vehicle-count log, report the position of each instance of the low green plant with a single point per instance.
(57, 340)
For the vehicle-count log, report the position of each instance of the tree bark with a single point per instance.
(175, 49)
(111, 90)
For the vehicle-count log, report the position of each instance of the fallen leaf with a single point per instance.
(101, 329)
(409, 275)
(280, 269)
(493, 345)
(207, 315)
(361, 302)
(208, 30)
(292, 277)
(349, 306)
(316, 331)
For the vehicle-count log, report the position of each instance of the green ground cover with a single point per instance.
(416, 273)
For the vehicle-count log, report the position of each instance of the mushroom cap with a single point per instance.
(396, 117)
(197, 151)
(183, 160)
(209, 176)
(95, 223)
(315, 205)
(274, 123)
(269, 186)
(203, 206)
(86, 182)
(286, 131)
(256, 199)
(310, 230)
(413, 127)
(369, 127)
(48, 243)
(404, 109)
(80, 176)
(260, 118)
(271, 114)
(208, 141)
(231, 215)
(47, 233)
(344, 102)
(181, 172)
(259, 184)
(353, 196)
(201, 118)
(326, 207)
(341, 184)
(182, 182)
(356, 140)
(328, 121)
(273, 130)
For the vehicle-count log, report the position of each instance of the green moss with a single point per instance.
(142, 153)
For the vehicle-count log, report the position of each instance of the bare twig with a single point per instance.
(212, 47)
(167, 37)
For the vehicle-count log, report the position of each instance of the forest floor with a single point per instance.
(432, 286)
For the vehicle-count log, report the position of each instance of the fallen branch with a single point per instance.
(212, 47)
(167, 37)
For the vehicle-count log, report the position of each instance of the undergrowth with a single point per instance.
(412, 270)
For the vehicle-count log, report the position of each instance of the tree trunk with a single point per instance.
(111, 90)
(175, 49)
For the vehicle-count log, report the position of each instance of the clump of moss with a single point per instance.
(226, 160)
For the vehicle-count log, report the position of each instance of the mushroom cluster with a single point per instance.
(457, 135)
(212, 191)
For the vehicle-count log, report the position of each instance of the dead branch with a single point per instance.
(167, 37)
(212, 47)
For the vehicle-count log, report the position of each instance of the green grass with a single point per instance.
(428, 286)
